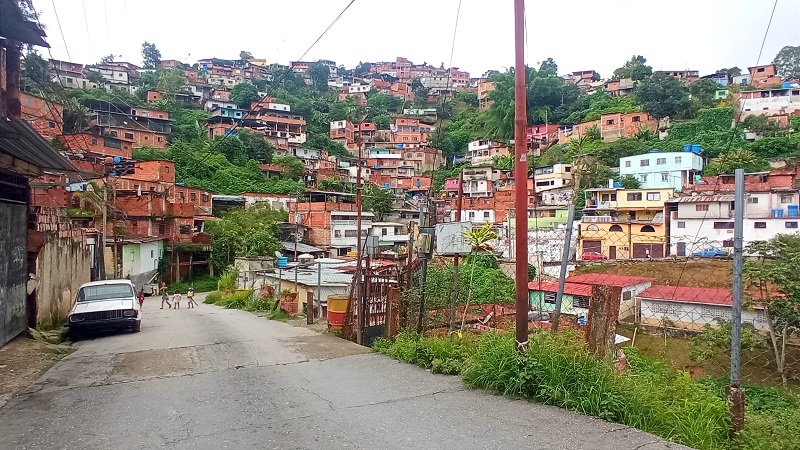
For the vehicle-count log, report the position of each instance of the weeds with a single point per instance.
(201, 284)
(213, 297)
(440, 355)
(278, 314)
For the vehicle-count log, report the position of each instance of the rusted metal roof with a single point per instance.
(19, 140)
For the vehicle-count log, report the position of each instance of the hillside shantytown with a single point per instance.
(376, 203)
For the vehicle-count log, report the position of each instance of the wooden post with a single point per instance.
(392, 313)
(602, 320)
(309, 308)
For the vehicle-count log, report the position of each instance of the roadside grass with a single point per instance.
(203, 283)
(557, 370)
(244, 300)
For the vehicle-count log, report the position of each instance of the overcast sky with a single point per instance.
(703, 35)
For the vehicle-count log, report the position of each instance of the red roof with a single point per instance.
(569, 288)
(608, 279)
(688, 294)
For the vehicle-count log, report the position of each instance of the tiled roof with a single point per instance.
(608, 279)
(569, 288)
(686, 294)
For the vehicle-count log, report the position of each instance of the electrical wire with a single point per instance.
(86, 23)
(58, 21)
(275, 84)
(764, 41)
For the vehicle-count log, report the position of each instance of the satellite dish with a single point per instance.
(278, 254)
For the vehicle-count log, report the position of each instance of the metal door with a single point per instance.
(681, 248)
(612, 252)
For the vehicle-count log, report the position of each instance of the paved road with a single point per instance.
(211, 378)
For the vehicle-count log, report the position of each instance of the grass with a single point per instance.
(203, 283)
(244, 300)
(698, 272)
(557, 370)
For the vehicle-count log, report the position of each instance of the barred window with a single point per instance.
(665, 308)
(550, 297)
(580, 301)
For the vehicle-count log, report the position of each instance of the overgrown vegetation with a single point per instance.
(203, 283)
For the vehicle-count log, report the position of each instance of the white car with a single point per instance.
(105, 305)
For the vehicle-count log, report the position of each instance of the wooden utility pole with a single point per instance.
(358, 274)
(520, 177)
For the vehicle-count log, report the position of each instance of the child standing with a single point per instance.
(141, 300)
(176, 298)
(190, 296)
(165, 296)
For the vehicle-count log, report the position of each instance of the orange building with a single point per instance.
(45, 116)
(763, 76)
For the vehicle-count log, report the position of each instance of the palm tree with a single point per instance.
(478, 240)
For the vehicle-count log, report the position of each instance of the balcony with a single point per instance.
(594, 204)
(598, 219)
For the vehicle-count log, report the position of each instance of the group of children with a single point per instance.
(176, 298)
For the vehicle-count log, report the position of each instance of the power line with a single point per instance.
(86, 23)
(58, 21)
(276, 83)
(763, 41)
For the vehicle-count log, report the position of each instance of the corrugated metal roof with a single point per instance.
(703, 199)
(687, 294)
(608, 279)
(569, 288)
(20, 140)
(302, 248)
(14, 27)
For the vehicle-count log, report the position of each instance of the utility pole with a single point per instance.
(520, 176)
(105, 220)
(296, 231)
(424, 281)
(734, 391)
(454, 294)
(359, 206)
(563, 274)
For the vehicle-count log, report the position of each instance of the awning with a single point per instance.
(302, 248)
(18, 139)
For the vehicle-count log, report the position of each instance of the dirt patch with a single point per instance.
(148, 364)
(325, 346)
(23, 361)
(690, 272)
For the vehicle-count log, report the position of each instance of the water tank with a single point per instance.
(617, 184)
(386, 185)
(792, 210)
(418, 183)
(283, 261)
(787, 85)
(687, 147)
(777, 213)
(696, 148)
(654, 150)
(305, 258)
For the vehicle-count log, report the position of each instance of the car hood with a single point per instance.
(103, 305)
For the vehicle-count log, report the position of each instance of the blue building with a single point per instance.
(657, 170)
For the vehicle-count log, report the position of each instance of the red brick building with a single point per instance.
(45, 116)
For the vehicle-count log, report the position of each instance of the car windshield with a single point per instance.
(104, 291)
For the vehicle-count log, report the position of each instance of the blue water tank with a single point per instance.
(792, 210)
(377, 166)
(777, 213)
(283, 261)
(787, 85)
(687, 147)
(654, 150)
(696, 149)
(418, 184)
(617, 184)
(386, 185)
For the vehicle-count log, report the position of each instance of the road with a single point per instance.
(212, 378)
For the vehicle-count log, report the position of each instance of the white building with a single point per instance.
(344, 230)
(701, 221)
(390, 234)
(552, 177)
(484, 152)
(658, 170)
(692, 308)
(770, 102)
(140, 259)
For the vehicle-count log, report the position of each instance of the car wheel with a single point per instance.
(138, 327)
(74, 335)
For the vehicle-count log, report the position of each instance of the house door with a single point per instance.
(612, 252)
(592, 246)
(681, 248)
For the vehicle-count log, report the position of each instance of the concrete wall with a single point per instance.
(63, 263)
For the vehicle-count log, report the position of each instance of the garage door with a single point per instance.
(648, 250)
(593, 246)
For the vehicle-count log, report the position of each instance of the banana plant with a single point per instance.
(478, 240)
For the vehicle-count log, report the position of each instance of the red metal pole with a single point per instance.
(358, 273)
(520, 177)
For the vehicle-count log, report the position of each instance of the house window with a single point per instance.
(136, 187)
(192, 196)
(643, 178)
(550, 297)
(614, 228)
(180, 196)
(610, 122)
(350, 233)
(701, 207)
(648, 229)
(486, 214)
(128, 135)
(580, 301)
(160, 139)
(644, 162)
(162, 229)
(791, 224)
(665, 176)
(384, 232)
(337, 233)
(760, 225)
(51, 124)
(752, 199)
(653, 196)
(681, 224)
(665, 309)
(205, 197)
(723, 225)
(634, 196)
(166, 169)
(786, 198)
(185, 229)
(627, 163)
(472, 214)
(661, 161)
(677, 160)
(113, 134)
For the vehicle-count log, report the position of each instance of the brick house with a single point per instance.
(45, 116)
(142, 126)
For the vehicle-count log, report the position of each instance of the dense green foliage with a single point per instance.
(490, 284)
(245, 232)
(203, 283)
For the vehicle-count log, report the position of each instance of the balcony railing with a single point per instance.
(597, 219)
(601, 205)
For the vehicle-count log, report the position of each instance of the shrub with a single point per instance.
(237, 300)
(201, 284)
(440, 355)
(278, 314)
(213, 297)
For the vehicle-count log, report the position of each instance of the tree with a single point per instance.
(775, 147)
(245, 232)
(635, 65)
(245, 56)
(629, 182)
(108, 59)
(548, 67)
(171, 81)
(787, 61)
(776, 276)
(255, 146)
(764, 127)
(76, 118)
(36, 74)
(319, 74)
(703, 91)
(735, 159)
(362, 69)
(151, 57)
(478, 240)
(378, 200)
(662, 95)
(243, 94)
(294, 164)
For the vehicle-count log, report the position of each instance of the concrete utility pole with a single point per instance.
(734, 392)
(424, 281)
(454, 294)
(563, 273)
(105, 220)
(520, 177)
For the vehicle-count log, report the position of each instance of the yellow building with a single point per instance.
(624, 223)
